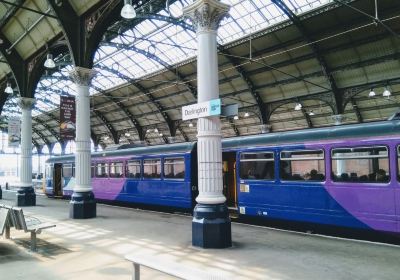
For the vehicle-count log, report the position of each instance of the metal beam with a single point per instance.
(41, 136)
(20, 5)
(233, 126)
(167, 66)
(337, 94)
(170, 123)
(307, 117)
(10, 13)
(356, 109)
(246, 78)
(107, 124)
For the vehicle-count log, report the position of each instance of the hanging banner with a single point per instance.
(14, 132)
(67, 117)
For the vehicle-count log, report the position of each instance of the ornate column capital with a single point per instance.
(206, 14)
(82, 76)
(26, 103)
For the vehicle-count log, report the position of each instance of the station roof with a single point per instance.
(327, 55)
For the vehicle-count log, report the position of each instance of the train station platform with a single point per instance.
(95, 249)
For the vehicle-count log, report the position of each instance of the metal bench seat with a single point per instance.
(28, 224)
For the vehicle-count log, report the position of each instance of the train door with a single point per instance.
(57, 179)
(229, 178)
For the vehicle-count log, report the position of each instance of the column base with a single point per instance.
(26, 196)
(211, 226)
(1, 193)
(82, 205)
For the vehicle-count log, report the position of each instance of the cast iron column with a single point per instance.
(26, 194)
(211, 226)
(82, 204)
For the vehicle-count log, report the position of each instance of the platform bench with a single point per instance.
(160, 263)
(28, 224)
(5, 221)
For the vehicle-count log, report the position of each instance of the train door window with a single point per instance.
(257, 166)
(93, 170)
(152, 168)
(116, 169)
(361, 164)
(174, 168)
(133, 169)
(67, 170)
(49, 171)
(102, 170)
(302, 165)
(398, 163)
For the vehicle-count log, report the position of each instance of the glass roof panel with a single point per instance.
(153, 44)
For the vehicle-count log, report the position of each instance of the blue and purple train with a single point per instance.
(345, 176)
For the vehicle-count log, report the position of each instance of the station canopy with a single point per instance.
(288, 64)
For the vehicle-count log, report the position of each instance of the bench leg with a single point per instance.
(136, 271)
(33, 241)
(7, 232)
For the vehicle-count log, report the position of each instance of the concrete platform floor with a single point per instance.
(95, 249)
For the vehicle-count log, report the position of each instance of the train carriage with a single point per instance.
(157, 175)
(345, 176)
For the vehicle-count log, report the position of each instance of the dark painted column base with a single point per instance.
(26, 197)
(211, 226)
(1, 193)
(82, 205)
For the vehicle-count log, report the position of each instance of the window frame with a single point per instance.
(273, 160)
(109, 169)
(174, 158)
(106, 168)
(161, 169)
(324, 159)
(70, 166)
(140, 169)
(366, 183)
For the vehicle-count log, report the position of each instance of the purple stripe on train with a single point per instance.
(372, 204)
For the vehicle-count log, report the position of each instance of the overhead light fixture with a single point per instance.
(148, 131)
(311, 113)
(386, 92)
(9, 89)
(298, 107)
(190, 124)
(161, 134)
(246, 114)
(128, 11)
(371, 93)
(106, 138)
(236, 117)
(127, 134)
(49, 63)
(156, 130)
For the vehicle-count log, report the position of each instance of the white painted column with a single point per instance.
(206, 16)
(82, 78)
(25, 174)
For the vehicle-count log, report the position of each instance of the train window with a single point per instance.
(174, 168)
(360, 164)
(102, 170)
(116, 169)
(398, 162)
(257, 166)
(67, 170)
(49, 171)
(93, 170)
(152, 168)
(133, 169)
(302, 165)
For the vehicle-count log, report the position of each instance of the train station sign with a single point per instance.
(201, 110)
